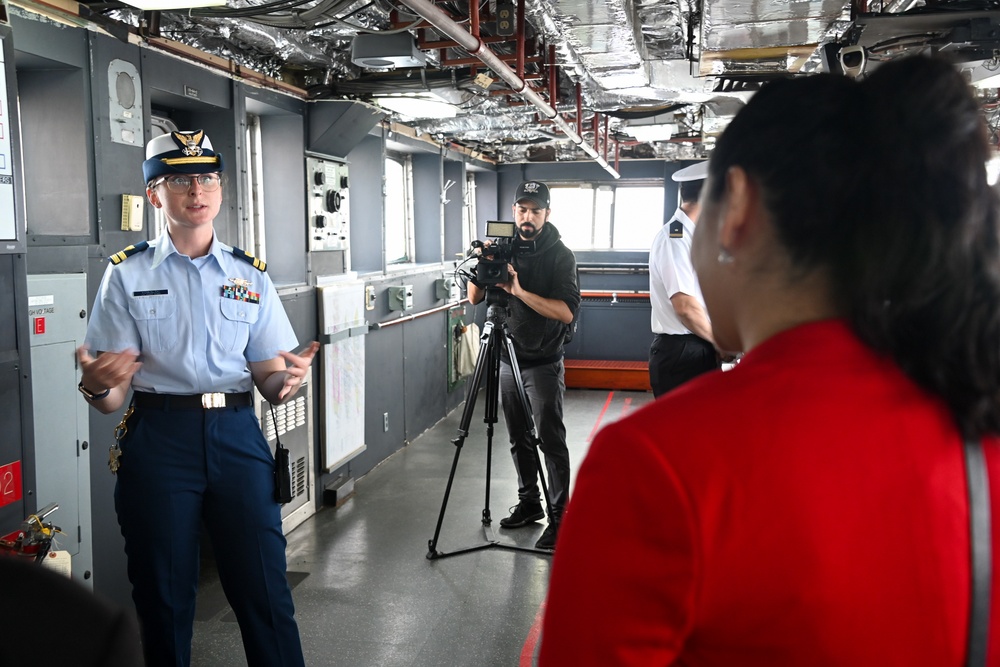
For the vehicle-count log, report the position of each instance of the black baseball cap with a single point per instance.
(533, 191)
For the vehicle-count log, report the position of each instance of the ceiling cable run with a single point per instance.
(475, 46)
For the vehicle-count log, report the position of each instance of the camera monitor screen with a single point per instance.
(500, 229)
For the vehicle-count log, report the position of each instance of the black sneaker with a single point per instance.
(522, 514)
(548, 539)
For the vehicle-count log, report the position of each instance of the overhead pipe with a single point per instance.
(595, 124)
(553, 76)
(468, 61)
(605, 137)
(474, 27)
(579, 108)
(519, 44)
(475, 46)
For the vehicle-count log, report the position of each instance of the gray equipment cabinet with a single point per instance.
(57, 312)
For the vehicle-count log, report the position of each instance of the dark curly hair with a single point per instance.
(882, 183)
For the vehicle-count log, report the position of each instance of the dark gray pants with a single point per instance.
(545, 387)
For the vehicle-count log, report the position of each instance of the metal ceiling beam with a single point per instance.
(476, 47)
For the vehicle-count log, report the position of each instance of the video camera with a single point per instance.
(493, 260)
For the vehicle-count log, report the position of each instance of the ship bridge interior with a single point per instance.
(368, 144)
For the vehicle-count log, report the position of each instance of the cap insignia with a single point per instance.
(190, 143)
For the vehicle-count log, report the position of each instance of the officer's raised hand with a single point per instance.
(105, 379)
(298, 367)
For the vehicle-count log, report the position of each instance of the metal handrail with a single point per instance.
(409, 318)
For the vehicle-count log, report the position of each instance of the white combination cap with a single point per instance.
(694, 172)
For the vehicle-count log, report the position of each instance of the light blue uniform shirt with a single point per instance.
(194, 322)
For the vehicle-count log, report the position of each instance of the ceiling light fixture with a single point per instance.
(416, 108)
(382, 51)
(656, 132)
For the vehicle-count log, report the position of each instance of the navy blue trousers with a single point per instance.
(182, 468)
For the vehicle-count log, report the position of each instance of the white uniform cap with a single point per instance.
(695, 172)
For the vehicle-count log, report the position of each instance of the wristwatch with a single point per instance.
(91, 395)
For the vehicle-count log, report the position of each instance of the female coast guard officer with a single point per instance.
(189, 323)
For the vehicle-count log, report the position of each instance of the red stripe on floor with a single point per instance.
(531, 641)
(600, 417)
(627, 407)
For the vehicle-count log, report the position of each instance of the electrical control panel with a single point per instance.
(401, 297)
(328, 206)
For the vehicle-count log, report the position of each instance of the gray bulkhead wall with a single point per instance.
(365, 173)
(54, 92)
(406, 364)
(427, 210)
(16, 390)
(282, 121)
(488, 204)
(284, 209)
(15, 355)
(454, 206)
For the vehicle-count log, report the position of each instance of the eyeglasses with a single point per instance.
(178, 183)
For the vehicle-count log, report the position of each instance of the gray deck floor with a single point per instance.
(365, 592)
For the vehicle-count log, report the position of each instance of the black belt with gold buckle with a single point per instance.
(142, 399)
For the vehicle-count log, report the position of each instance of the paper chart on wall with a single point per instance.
(343, 414)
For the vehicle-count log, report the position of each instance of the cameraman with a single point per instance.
(544, 300)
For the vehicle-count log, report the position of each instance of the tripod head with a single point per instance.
(496, 300)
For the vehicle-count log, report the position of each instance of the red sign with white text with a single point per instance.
(10, 483)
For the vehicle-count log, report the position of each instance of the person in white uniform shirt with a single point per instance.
(682, 347)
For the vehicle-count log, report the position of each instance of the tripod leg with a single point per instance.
(487, 360)
(491, 418)
(463, 431)
(432, 551)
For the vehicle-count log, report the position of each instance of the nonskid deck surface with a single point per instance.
(365, 592)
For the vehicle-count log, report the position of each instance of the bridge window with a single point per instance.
(638, 215)
(398, 240)
(591, 216)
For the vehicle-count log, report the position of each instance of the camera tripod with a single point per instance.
(495, 333)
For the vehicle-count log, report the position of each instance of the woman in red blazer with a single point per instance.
(810, 506)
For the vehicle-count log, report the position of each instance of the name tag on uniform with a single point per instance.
(151, 292)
